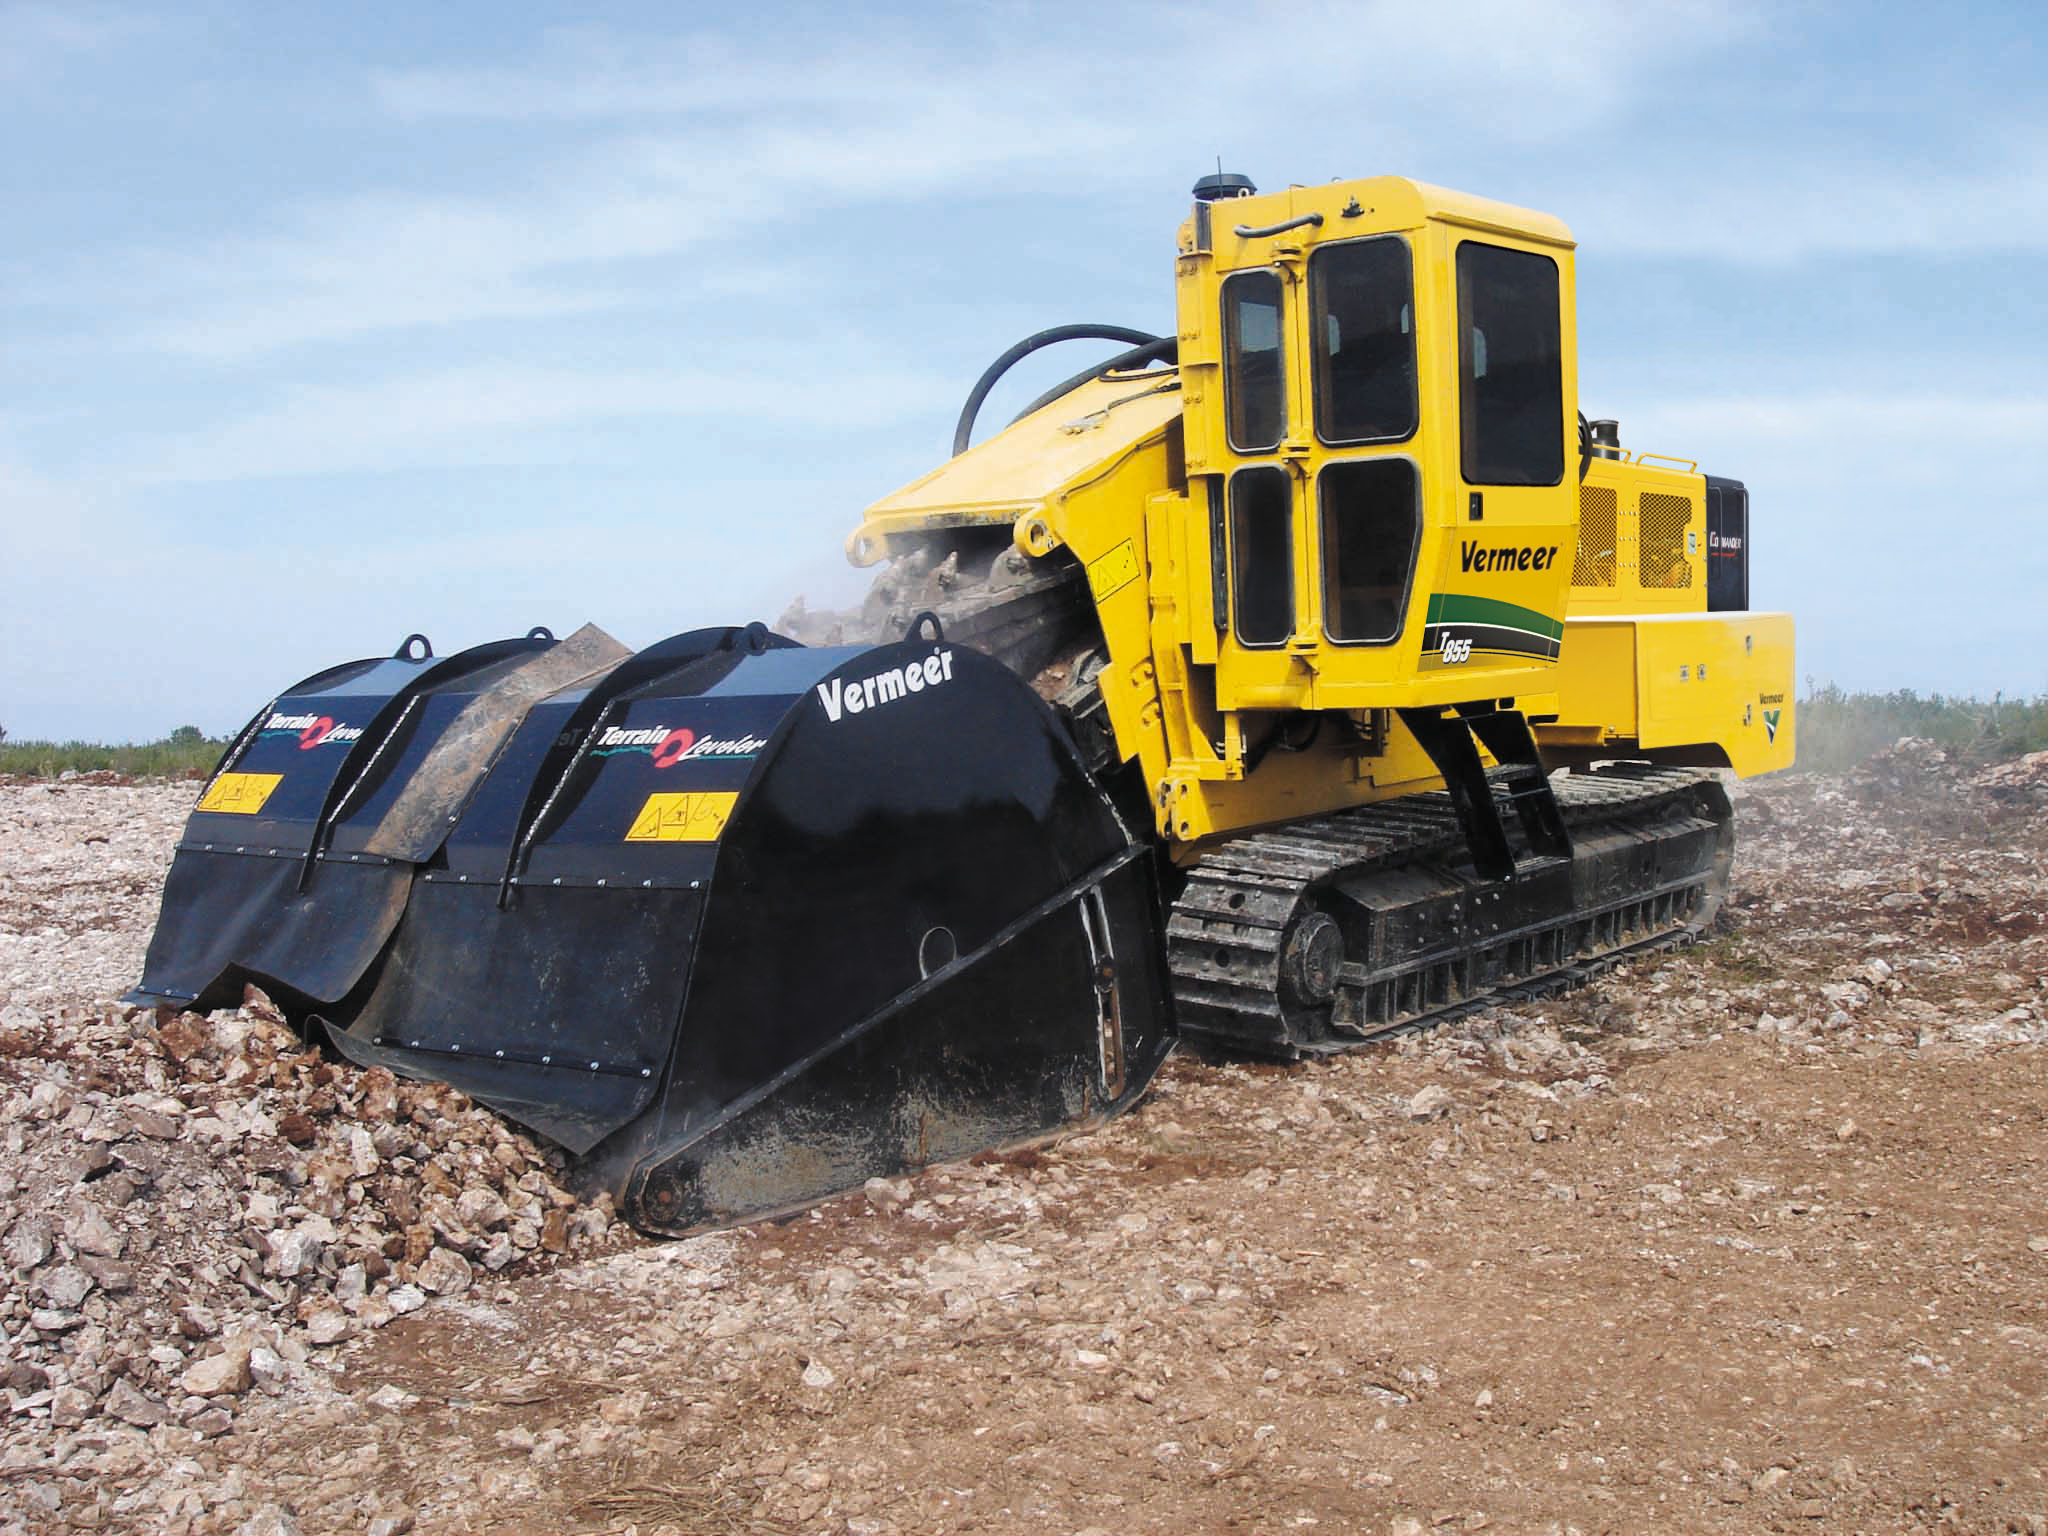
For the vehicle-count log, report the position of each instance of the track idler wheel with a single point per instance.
(1311, 957)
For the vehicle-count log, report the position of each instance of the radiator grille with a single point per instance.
(1660, 557)
(1594, 565)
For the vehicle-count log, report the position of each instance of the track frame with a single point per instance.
(1322, 936)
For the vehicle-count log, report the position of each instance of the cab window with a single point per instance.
(1510, 367)
(1362, 327)
(1254, 378)
(1262, 556)
(1371, 523)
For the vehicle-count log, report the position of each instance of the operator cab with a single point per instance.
(1376, 380)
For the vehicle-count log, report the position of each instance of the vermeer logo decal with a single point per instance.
(1476, 557)
(1771, 725)
(849, 696)
(669, 746)
(312, 730)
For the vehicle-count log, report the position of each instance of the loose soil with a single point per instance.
(1745, 1237)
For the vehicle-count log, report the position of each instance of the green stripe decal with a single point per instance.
(1459, 608)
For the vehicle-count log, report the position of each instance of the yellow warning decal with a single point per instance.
(239, 794)
(694, 816)
(1109, 574)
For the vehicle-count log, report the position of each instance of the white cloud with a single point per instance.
(566, 242)
(1799, 207)
(1889, 419)
(37, 38)
(703, 142)
(1578, 60)
(589, 73)
(126, 625)
(1479, 70)
(47, 541)
(486, 413)
(584, 172)
(38, 507)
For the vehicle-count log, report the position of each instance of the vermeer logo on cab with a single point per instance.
(849, 696)
(1529, 557)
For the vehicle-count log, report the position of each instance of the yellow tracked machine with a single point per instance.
(1313, 673)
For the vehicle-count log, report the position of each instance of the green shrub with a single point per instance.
(1838, 729)
(179, 756)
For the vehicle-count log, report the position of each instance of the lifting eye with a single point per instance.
(936, 951)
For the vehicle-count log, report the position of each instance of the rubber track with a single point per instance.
(1225, 933)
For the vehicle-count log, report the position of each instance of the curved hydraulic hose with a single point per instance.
(1023, 349)
(1166, 348)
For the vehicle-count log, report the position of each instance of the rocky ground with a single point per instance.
(1748, 1237)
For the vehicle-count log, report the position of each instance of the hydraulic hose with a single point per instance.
(964, 430)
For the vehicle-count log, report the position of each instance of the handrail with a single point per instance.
(1247, 232)
(1614, 454)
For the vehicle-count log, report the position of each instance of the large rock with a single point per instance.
(405, 1298)
(66, 1286)
(1428, 1103)
(128, 1404)
(28, 1243)
(296, 1250)
(226, 1373)
(185, 1036)
(444, 1272)
(267, 1368)
(89, 1231)
(481, 1209)
(330, 1326)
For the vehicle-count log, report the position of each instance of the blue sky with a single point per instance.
(319, 326)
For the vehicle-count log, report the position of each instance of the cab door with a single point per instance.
(1502, 582)
(1368, 483)
(1261, 488)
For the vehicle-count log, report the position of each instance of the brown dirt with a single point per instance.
(1749, 1237)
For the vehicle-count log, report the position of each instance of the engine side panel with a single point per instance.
(1699, 690)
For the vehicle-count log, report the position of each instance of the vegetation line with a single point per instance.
(1837, 730)
(186, 753)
